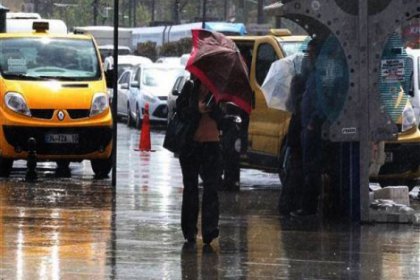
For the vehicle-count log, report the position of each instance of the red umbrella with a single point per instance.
(217, 63)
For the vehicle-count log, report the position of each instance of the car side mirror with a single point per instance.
(175, 92)
(135, 84)
(109, 78)
(124, 86)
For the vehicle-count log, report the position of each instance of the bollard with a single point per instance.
(145, 143)
(31, 175)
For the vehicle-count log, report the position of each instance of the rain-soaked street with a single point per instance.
(78, 228)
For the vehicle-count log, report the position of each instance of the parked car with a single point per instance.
(169, 60)
(184, 58)
(131, 61)
(123, 85)
(175, 92)
(107, 50)
(126, 63)
(53, 101)
(152, 84)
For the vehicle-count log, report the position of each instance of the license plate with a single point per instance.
(389, 157)
(62, 138)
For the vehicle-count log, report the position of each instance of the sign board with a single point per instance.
(392, 70)
(256, 28)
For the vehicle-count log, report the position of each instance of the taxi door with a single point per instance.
(267, 127)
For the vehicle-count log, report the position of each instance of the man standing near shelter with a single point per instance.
(311, 121)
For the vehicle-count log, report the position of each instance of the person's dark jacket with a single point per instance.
(187, 106)
(310, 107)
(187, 103)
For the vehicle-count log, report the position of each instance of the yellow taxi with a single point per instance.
(267, 127)
(53, 91)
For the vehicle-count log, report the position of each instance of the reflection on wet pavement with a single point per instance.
(78, 228)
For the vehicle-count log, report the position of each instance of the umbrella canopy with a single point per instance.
(217, 63)
(276, 86)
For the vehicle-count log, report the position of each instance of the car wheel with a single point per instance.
(101, 167)
(138, 119)
(5, 167)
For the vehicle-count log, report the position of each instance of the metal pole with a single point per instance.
(115, 97)
(226, 9)
(362, 202)
(36, 6)
(204, 14)
(260, 17)
(95, 12)
(153, 10)
(176, 12)
(134, 13)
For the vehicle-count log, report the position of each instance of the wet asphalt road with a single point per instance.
(79, 228)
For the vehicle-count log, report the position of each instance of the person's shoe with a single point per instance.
(285, 209)
(208, 237)
(190, 238)
(302, 213)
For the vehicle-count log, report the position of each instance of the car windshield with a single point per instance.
(291, 47)
(161, 79)
(48, 58)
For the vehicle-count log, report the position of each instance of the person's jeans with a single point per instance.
(204, 159)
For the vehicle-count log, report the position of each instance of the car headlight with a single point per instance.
(15, 102)
(408, 118)
(100, 103)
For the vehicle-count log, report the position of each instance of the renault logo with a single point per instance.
(60, 115)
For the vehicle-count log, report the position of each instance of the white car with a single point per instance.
(184, 58)
(107, 50)
(126, 63)
(169, 60)
(123, 86)
(175, 92)
(152, 84)
(131, 61)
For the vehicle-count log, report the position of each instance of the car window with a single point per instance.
(125, 78)
(152, 78)
(265, 56)
(55, 58)
(123, 51)
(176, 84)
(181, 83)
(291, 48)
(137, 76)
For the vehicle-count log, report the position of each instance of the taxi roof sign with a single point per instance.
(280, 32)
(40, 26)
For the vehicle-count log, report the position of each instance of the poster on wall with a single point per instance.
(392, 70)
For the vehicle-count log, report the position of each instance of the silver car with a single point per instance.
(123, 86)
(175, 92)
(152, 84)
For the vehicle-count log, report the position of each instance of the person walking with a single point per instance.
(202, 157)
